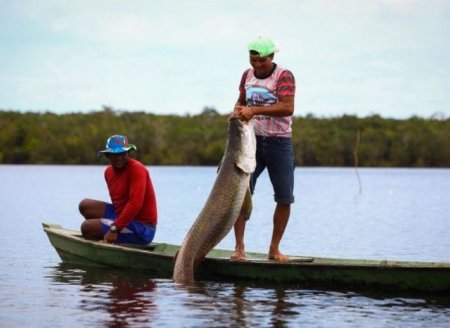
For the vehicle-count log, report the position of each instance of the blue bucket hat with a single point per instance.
(117, 144)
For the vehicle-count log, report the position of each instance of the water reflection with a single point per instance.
(125, 297)
(215, 304)
(116, 298)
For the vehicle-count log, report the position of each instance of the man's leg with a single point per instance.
(239, 225)
(239, 229)
(280, 220)
(280, 165)
(92, 229)
(92, 210)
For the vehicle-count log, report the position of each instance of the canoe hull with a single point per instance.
(158, 259)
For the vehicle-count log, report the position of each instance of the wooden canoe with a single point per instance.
(306, 272)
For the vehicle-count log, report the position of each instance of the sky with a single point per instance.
(349, 57)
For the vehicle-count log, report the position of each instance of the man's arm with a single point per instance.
(239, 103)
(284, 107)
(135, 198)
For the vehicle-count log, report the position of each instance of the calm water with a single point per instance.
(401, 214)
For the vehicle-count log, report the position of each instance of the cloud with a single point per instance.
(180, 56)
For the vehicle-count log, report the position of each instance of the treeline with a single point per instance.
(48, 138)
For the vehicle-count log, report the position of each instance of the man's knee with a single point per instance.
(91, 229)
(83, 206)
(85, 231)
(91, 208)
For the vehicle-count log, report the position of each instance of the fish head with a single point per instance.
(241, 133)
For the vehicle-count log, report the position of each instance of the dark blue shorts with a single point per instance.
(134, 233)
(276, 154)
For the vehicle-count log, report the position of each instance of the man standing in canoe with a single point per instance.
(266, 94)
(132, 216)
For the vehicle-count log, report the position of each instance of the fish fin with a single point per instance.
(246, 165)
(219, 166)
(247, 205)
(197, 263)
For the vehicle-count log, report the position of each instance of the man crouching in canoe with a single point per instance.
(132, 216)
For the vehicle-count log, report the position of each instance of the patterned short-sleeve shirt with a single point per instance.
(265, 92)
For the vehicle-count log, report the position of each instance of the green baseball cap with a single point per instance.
(263, 46)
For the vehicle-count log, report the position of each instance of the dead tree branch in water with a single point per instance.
(355, 156)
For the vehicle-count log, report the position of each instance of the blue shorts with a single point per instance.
(277, 155)
(134, 233)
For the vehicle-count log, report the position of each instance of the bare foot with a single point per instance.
(278, 257)
(238, 255)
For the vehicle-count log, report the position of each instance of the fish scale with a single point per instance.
(230, 194)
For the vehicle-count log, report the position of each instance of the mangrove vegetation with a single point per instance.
(75, 138)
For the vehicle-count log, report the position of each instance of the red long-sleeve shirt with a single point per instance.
(132, 194)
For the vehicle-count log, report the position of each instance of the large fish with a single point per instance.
(230, 194)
